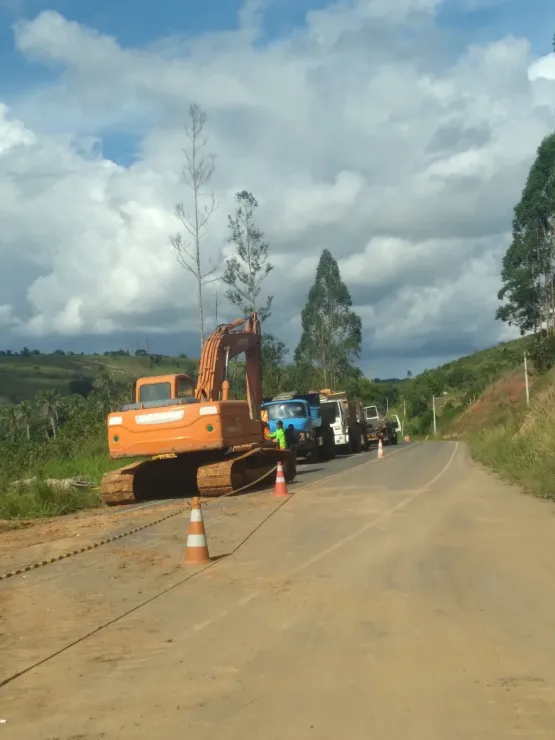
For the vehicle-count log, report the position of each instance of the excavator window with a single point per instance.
(155, 392)
(184, 388)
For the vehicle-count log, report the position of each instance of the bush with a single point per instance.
(542, 352)
(39, 499)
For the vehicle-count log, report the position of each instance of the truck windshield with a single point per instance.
(287, 411)
(155, 392)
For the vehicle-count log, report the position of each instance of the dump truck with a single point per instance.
(380, 427)
(192, 439)
(349, 423)
(314, 436)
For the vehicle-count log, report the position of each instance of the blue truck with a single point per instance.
(314, 436)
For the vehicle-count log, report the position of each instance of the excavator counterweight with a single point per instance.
(194, 440)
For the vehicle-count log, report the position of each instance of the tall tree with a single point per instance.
(332, 331)
(529, 264)
(197, 174)
(48, 402)
(247, 269)
(106, 389)
(274, 371)
(25, 412)
(10, 418)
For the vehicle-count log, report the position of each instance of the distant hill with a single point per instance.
(23, 375)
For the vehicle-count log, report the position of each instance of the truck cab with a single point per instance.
(335, 411)
(381, 428)
(349, 424)
(372, 416)
(313, 436)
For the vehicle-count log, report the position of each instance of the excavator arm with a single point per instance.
(228, 341)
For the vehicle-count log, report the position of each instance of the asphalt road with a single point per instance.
(407, 598)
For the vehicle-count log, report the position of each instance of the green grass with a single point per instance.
(22, 377)
(40, 500)
(90, 467)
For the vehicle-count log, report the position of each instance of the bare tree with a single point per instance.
(197, 173)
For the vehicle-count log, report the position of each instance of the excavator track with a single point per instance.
(193, 474)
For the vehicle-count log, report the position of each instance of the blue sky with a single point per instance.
(403, 253)
(150, 21)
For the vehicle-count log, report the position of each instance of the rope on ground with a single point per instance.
(87, 548)
(204, 501)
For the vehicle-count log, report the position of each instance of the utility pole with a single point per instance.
(434, 411)
(404, 416)
(526, 380)
(386, 405)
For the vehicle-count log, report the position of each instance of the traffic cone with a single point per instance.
(281, 485)
(196, 552)
(380, 449)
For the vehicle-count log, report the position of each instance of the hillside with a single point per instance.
(515, 440)
(457, 384)
(54, 407)
(23, 376)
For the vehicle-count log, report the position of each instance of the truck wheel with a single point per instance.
(312, 456)
(290, 469)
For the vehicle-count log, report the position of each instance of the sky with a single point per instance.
(398, 134)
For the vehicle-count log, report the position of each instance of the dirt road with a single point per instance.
(407, 598)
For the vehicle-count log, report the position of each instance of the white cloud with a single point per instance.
(543, 68)
(352, 134)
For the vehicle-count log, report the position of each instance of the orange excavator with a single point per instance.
(197, 440)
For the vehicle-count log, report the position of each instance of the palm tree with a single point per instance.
(25, 412)
(105, 386)
(48, 401)
(9, 417)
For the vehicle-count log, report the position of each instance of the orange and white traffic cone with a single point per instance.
(196, 552)
(281, 485)
(380, 449)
